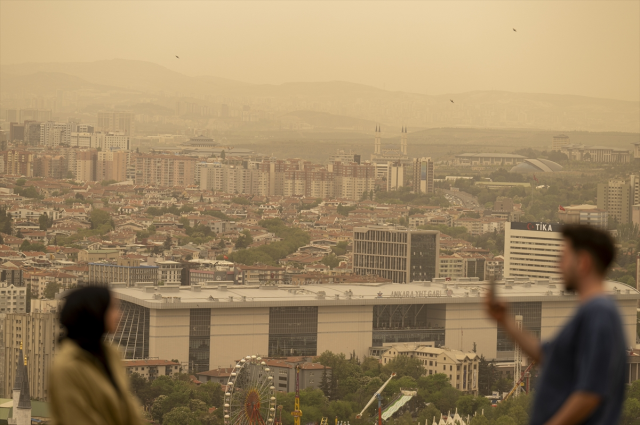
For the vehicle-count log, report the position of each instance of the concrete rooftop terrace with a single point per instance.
(243, 296)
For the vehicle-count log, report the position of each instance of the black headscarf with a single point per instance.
(83, 319)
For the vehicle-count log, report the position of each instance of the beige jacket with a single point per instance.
(80, 392)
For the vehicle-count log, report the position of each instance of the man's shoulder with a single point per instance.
(600, 304)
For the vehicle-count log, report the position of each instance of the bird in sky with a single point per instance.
(514, 30)
(452, 101)
(179, 56)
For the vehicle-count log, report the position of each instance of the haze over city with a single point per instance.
(314, 207)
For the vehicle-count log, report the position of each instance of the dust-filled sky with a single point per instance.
(565, 47)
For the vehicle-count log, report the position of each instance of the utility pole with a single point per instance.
(297, 413)
(517, 361)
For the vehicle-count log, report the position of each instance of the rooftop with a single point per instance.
(463, 290)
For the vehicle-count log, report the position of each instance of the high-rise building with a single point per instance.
(113, 141)
(532, 250)
(112, 165)
(164, 170)
(636, 151)
(117, 122)
(396, 253)
(50, 166)
(584, 214)
(83, 140)
(341, 156)
(395, 176)
(351, 181)
(54, 133)
(18, 162)
(35, 114)
(617, 197)
(36, 333)
(85, 165)
(16, 132)
(31, 133)
(423, 175)
(558, 141)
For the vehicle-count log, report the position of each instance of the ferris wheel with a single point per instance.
(250, 396)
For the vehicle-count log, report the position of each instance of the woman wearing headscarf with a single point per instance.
(88, 384)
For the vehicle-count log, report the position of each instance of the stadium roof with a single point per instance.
(536, 166)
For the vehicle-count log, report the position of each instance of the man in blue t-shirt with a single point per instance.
(582, 378)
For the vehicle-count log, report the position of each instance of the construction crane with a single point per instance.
(377, 395)
(297, 413)
(522, 378)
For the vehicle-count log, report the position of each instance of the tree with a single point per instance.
(43, 220)
(244, 240)
(405, 366)
(98, 218)
(479, 420)
(331, 261)
(223, 155)
(51, 290)
(179, 416)
(324, 383)
(70, 175)
(505, 420)
(631, 411)
(20, 182)
(167, 243)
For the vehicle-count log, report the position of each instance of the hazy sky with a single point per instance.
(571, 47)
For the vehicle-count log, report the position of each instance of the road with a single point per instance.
(462, 199)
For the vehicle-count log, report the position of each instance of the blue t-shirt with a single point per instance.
(589, 354)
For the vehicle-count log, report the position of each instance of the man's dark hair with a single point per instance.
(597, 243)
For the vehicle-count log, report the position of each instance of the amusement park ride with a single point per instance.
(377, 395)
(250, 397)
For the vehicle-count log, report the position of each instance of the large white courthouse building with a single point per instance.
(213, 325)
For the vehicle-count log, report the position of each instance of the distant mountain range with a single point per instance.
(484, 109)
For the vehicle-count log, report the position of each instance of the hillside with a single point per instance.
(477, 109)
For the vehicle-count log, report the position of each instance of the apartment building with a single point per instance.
(423, 175)
(85, 165)
(164, 170)
(461, 368)
(169, 272)
(396, 253)
(112, 165)
(55, 134)
(584, 214)
(124, 270)
(617, 197)
(17, 162)
(13, 299)
(559, 141)
(352, 180)
(36, 334)
(116, 121)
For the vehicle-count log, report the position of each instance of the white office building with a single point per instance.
(532, 250)
(215, 324)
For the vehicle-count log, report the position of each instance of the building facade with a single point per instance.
(532, 250)
(423, 175)
(127, 271)
(396, 253)
(116, 122)
(164, 170)
(36, 334)
(617, 197)
(460, 368)
(190, 324)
